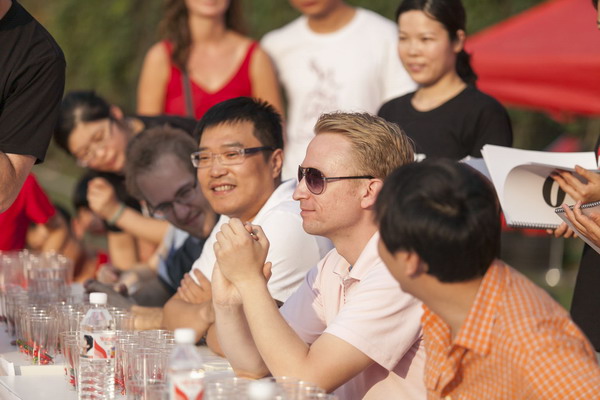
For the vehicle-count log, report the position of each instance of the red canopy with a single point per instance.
(546, 58)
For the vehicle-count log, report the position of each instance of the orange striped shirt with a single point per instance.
(516, 343)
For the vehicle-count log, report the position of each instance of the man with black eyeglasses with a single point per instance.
(349, 328)
(239, 161)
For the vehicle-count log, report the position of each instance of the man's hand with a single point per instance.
(578, 190)
(241, 251)
(224, 292)
(108, 274)
(588, 226)
(193, 292)
(102, 198)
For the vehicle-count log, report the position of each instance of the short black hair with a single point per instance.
(266, 121)
(444, 211)
(78, 106)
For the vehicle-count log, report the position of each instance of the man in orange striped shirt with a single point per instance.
(489, 333)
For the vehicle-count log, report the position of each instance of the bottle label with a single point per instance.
(186, 388)
(98, 345)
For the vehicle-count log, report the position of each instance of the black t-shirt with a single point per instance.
(456, 129)
(32, 80)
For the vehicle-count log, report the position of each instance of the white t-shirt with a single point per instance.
(353, 69)
(292, 251)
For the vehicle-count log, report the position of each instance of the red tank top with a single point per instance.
(239, 85)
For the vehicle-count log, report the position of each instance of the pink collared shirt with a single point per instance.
(366, 308)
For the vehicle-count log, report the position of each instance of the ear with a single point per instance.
(116, 112)
(371, 192)
(459, 42)
(414, 266)
(276, 162)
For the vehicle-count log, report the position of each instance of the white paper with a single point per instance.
(519, 177)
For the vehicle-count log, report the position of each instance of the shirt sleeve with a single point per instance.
(38, 207)
(376, 307)
(30, 112)
(492, 127)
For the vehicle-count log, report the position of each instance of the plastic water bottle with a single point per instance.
(186, 372)
(96, 374)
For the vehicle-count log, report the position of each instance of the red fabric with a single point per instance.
(239, 85)
(31, 206)
(546, 58)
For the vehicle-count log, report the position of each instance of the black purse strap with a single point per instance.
(187, 91)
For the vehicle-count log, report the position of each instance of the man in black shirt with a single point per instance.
(32, 78)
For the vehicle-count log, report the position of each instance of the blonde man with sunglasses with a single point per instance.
(349, 328)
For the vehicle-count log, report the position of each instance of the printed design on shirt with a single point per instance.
(323, 96)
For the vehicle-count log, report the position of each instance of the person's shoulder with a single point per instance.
(393, 105)
(285, 33)
(480, 99)
(159, 52)
(530, 317)
(32, 36)
(376, 23)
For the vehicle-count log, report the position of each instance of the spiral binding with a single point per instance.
(530, 225)
(561, 210)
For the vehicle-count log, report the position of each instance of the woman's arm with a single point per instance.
(152, 85)
(264, 80)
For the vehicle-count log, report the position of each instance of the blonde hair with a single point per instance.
(378, 146)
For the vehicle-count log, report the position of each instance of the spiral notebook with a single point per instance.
(586, 209)
(528, 195)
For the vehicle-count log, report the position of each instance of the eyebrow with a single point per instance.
(224, 146)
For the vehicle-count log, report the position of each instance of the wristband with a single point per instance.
(113, 220)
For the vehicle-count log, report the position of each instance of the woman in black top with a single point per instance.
(446, 116)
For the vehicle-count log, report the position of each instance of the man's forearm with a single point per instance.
(14, 169)
(283, 351)
(178, 313)
(236, 342)
(147, 317)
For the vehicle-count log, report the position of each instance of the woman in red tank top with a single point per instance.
(204, 40)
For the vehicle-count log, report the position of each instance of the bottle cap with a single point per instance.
(185, 336)
(262, 390)
(98, 298)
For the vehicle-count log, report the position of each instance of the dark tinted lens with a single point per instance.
(314, 180)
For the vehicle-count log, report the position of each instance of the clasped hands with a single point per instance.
(241, 251)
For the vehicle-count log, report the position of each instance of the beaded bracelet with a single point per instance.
(113, 220)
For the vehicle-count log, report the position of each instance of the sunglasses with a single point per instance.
(316, 182)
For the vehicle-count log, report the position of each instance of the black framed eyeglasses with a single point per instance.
(184, 196)
(316, 181)
(204, 159)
